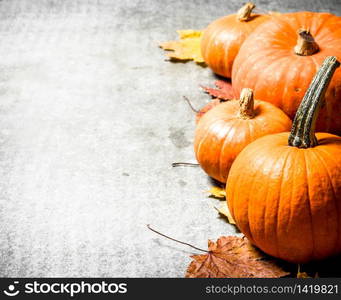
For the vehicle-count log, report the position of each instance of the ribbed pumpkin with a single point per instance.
(227, 128)
(222, 39)
(284, 190)
(280, 58)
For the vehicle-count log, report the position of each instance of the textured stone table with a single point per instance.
(91, 118)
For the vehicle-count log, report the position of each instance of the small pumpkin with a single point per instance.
(284, 190)
(223, 131)
(222, 39)
(280, 58)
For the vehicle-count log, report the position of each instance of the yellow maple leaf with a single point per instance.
(217, 192)
(224, 210)
(186, 48)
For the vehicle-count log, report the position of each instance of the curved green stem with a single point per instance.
(303, 129)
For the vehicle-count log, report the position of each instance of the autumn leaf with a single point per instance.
(217, 192)
(222, 91)
(233, 257)
(206, 108)
(224, 211)
(186, 48)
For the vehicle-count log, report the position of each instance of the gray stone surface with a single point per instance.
(91, 118)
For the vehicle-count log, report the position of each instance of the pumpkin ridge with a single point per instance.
(286, 87)
(316, 63)
(211, 40)
(226, 62)
(230, 200)
(323, 25)
(292, 173)
(309, 204)
(251, 128)
(330, 40)
(250, 57)
(338, 207)
(286, 23)
(289, 152)
(237, 180)
(249, 197)
(278, 24)
(264, 233)
(301, 16)
(222, 151)
(262, 109)
(203, 138)
(211, 37)
(260, 79)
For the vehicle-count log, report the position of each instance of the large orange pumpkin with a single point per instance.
(227, 128)
(284, 190)
(280, 58)
(222, 39)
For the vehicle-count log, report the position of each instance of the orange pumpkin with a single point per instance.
(227, 128)
(280, 58)
(222, 39)
(284, 190)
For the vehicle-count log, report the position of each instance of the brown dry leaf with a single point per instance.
(233, 257)
(224, 210)
(223, 91)
(187, 48)
(217, 192)
(206, 108)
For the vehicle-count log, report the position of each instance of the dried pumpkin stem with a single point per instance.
(303, 129)
(175, 240)
(306, 44)
(246, 103)
(244, 13)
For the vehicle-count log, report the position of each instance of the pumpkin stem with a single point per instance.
(246, 103)
(175, 240)
(244, 13)
(303, 129)
(306, 44)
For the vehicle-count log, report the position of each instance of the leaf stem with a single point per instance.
(190, 104)
(184, 164)
(175, 240)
